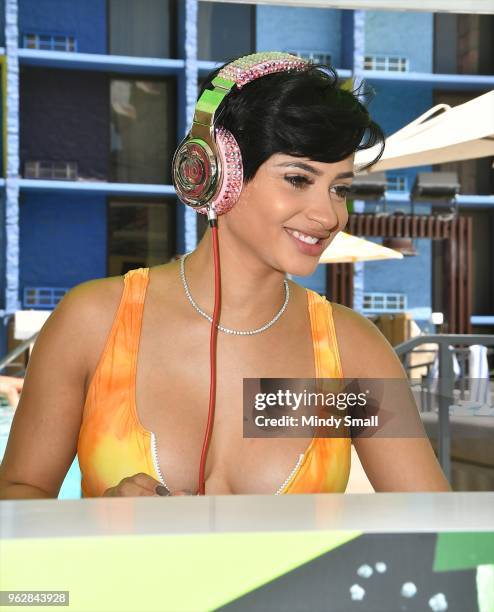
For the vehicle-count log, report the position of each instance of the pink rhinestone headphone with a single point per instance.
(207, 165)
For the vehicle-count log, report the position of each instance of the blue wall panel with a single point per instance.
(299, 29)
(63, 239)
(84, 19)
(401, 33)
(393, 105)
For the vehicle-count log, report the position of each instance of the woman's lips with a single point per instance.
(307, 249)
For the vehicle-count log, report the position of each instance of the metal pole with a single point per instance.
(191, 74)
(446, 383)
(12, 158)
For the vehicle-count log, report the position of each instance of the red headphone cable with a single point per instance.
(213, 224)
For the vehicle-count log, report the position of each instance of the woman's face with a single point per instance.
(290, 196)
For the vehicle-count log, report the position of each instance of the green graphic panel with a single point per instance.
(463, 550)
(158, 572)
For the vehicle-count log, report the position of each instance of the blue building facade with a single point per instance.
(86, 21)
(97, 93)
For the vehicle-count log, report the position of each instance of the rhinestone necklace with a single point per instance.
(226, 329)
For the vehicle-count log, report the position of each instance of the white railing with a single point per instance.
(49, 42)
(388, 63)
(384, 302)
(56, 170)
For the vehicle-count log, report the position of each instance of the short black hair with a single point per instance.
(304, 113)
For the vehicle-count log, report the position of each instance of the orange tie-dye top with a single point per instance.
(113, 444)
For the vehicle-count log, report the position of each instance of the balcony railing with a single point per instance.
(445, 381)
(56, 170)
(384, 302)
(49, 42)
(388, 63)
(45, 298)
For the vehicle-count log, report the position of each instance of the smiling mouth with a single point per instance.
(307, 238)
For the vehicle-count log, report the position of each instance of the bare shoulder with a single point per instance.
(94, 301)
(364, 350)
(90, 309)
(93, 294)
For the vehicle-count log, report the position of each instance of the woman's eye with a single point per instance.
(299, 182)
(342, 191)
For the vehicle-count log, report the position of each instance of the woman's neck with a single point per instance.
(251, 291)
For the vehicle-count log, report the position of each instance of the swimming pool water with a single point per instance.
(71, 486)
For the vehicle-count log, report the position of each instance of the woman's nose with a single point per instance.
(327, 213)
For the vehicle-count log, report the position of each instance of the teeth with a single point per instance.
(303, 237)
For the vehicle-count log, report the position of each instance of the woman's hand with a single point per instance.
(141, 485)
(138, 485)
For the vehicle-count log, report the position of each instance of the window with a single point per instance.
(141, 234)
(54, 170)
(44, 298)
(142, 130)
(397, 183)
(388, 63)
(49, 42)
(225, 31)
(384, 302)
(314, 56)
(142, 28)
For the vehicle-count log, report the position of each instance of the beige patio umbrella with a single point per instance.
(460, 132)
(346, 248)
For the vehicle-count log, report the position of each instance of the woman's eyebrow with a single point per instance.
(302, 166)
(312, 170)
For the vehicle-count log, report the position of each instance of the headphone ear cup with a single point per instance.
(193, 170)
(228, 192)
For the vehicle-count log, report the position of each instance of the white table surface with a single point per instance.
(377, 512)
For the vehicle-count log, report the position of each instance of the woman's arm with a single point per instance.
(391, 464)
(45, 429)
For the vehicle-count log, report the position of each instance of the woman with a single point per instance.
(125, 361)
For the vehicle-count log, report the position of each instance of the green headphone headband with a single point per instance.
(240, 72)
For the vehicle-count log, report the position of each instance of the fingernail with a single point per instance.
(161, 490)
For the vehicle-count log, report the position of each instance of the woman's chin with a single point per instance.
(302, 269)
(302, 259)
